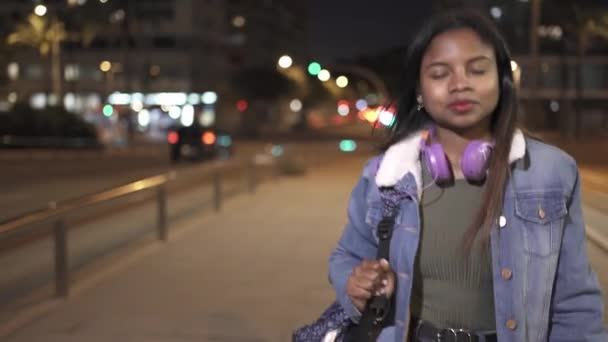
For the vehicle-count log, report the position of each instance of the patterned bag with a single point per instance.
(334, 325)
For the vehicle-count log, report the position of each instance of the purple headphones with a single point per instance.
(474, 161)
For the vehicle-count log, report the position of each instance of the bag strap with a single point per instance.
(376, 314)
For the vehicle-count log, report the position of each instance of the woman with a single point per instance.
(488, 241)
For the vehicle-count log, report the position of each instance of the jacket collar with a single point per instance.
(404, 157)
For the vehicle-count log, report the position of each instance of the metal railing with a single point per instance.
(57, 212)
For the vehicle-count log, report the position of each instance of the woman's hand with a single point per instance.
(371, 277)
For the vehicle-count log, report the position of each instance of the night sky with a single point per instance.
(348, 28)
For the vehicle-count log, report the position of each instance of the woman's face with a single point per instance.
(459, 81)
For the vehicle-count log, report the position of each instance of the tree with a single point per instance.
(46, 36)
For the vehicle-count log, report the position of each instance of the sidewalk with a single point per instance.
(251, 273)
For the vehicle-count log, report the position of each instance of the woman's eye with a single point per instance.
(438, 75)
(478, 71)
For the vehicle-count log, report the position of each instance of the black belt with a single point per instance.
(425, 331)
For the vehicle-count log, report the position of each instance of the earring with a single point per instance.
(420, 105)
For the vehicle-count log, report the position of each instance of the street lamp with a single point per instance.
(105, 66)
(342, 81)
(285, 62)
(40, 10)
(324, 75)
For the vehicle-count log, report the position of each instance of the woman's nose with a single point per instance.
(459, 81)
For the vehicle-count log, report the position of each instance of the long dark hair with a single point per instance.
(503, 121)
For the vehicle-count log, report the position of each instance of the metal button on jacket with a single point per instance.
(541, 213)
(502, 221)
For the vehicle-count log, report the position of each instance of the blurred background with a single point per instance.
(120, 118)
(133, 69)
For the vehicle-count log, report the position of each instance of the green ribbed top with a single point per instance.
(448, 290)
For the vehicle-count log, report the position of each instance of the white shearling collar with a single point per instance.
(404, 157)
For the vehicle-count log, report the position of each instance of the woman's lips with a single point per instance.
(461, 106)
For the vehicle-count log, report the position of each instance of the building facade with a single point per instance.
(149, 46)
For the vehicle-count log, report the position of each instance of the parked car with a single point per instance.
(198, 143)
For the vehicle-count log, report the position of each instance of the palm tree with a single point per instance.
(46, 36)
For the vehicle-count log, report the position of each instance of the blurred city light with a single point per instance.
(238, 21)
(386, 117)
(173, 138)
(69, 101)
(12, 97)
(343, 110)
(103, 1)
(194, 99)
(285, 62)
(40, 10)
(369, 114)
(187, 118)
(209, 97)
(324, 75)
(108, 110)
(361, 104)
(38, 100)
(175, 112)
(553, 32)
(314, 68)
(295, 105)
(207, 117)
(208, 138)
(348, 145)
(514, 66)
(242, 105)
(120, 99)
(118, 16)
(105, 66)
(224, 140)
(155, 70)
(169, 99)
(143, 118)
(137, 106)
(12, 69)
(496, 12)
(53, 100)
(342, 81)
(277, 150)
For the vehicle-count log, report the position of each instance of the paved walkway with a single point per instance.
(250, 273)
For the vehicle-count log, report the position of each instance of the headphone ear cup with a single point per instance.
(475, 160)
(437, 163)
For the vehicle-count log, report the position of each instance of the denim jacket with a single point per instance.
(550, 293)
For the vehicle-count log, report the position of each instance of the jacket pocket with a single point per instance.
(542, 215)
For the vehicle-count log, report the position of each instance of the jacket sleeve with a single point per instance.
(577, 310)
(356, 244)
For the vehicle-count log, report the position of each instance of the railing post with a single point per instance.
(217, 191)
(251, 176)
(162, 213)
(61, 259)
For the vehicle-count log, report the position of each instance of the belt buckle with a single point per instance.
(454, 332)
